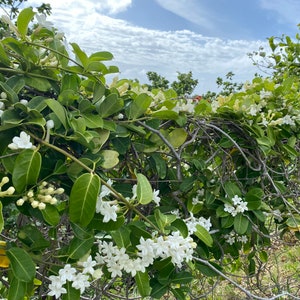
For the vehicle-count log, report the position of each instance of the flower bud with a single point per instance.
(20, 202)
(3, 95)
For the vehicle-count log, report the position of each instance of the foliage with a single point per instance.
(125, 191)
(184, 85)
(282, 59)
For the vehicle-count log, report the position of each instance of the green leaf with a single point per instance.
(51, 215)
(80, 55)
(93, 121)
(98, 224)
(121, 237)
(144, 189)
(110, 105)
(160, 165)
(241, 223)
(3, 56)
(143, 283)
(206, 270)
(32, 238)
(110, 158)
(139, 106)
(1, 218)
(181, 226)
(11, 94)
(158, 290)
(177, 137)
(79, 247)
(21, 264)
(72, 293)
(59, 111)
(254, 198)
(25, 16)
(178, 294)
(41, 84)
(99, 56)
(83, 198)
(182, 278)
(163, 220)
(231, 189)
(26, 169)
(17, 289)
(204, 235)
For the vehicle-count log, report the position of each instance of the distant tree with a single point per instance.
(184, 85)
(157, 81)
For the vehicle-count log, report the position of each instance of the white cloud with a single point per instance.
(137, 50)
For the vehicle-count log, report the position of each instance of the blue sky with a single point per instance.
(208, 37)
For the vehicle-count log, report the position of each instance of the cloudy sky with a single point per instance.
(209, 38)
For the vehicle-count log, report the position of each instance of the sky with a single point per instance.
(208, 37)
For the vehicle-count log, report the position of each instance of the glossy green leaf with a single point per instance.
(204, 235)
(79, 247)
(59, 111)
(24, 18)
(17, 290)
(11, 94)
(110, 105)
(83, 198)
(99, 56)
(139, 106)
(26, 169)
(142, 281)
(93, 121)
(80, 55)
(177, 137)
(72, 293)
(180, 225)
(30, 236)
(241, 223)
(144, 189)
(158, 290)
(182, 277)
(21, 264)
(3, 56)
(110, 158)
(160, 165)
(51, 215)
(254, 198)
(121, 237)
(41, 84)
(231, 189)
(98, 224)
(163, 220)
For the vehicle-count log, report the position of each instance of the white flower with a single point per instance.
(229, 208)
(22, 142)
(42, 21)
(67, 273)
(88, 266)
(236, 200)
(80, 282)
(1, 112)
(107, 210)
(287, 119)
(56, 287)
(156, 198)
(243, 239)
(3, 95)
(24, 101)
(50, 124)
(2, 105)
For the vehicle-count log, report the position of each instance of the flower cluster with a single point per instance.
(239, 206)
(192, 222)
(80, 280)
(233, 237)
(107, 208)
(7, 192)
(188, 105)
(22, 142)
(45, 194)
(117, 260)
